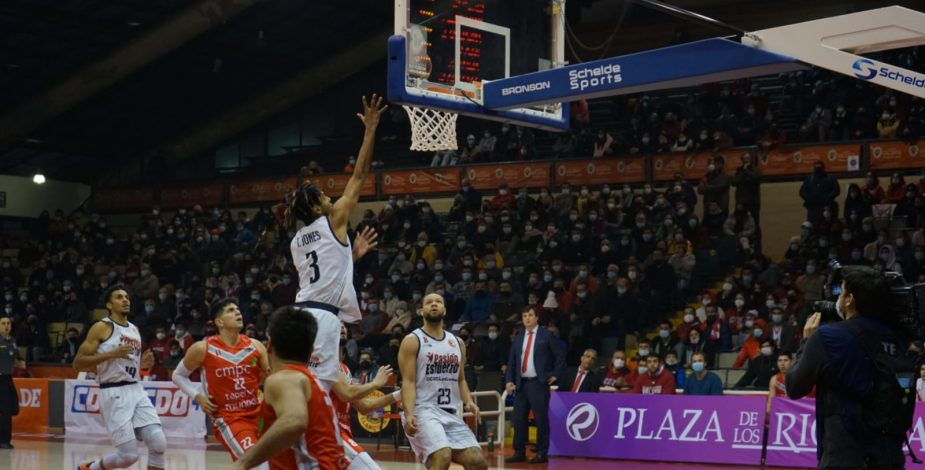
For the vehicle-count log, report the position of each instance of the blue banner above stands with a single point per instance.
(684, 65)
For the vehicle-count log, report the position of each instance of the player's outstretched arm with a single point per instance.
(87, 359)
(192, 361)
(367, 405)
(372, 111)
(407, 363)
(350, 393)
(286, 393)
(264, 361)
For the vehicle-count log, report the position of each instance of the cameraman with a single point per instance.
(834, 360)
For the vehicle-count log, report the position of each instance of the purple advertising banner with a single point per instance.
(792, 433)
(711, 429)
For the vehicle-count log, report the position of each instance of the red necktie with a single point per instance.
(523, 366)
(578, 381)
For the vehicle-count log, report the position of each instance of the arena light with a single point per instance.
(38, 178)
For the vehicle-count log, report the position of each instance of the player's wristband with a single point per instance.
(396, 395)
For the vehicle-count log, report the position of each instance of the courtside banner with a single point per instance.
(33, 405)
(673, 428)
(792, 433)
(180, 416)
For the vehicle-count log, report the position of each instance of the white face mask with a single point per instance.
(618, 363)
(643, 352)
(766, 350)
(739, 303)
(689, 318)
(492, 335)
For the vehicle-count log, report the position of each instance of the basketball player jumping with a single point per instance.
(113, 350)
(233, 366)
(322, 254)
(299, 425)
(433, 359)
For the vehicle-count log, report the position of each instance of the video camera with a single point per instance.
(907, 302)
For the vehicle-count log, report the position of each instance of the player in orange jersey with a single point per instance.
(233, 367)
(345, 394)
(300, 430)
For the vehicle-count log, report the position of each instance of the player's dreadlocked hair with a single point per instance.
(299, 206)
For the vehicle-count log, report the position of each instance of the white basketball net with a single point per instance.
(432, 130)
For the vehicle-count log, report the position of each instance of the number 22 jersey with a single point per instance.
(231, 376)
(325, 268)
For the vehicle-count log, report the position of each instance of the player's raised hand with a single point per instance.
(147, 359)
(411, 425)
(121, 352)
(382, 376)
(366, 240)
(206, 404)
(372, 111)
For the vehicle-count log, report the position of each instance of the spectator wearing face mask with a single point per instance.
(689, 322)
(489, 353)
(782, 333)
(366, 368)
(183, 336)
(175, 356)
(714, 186)
(760, 368)
(401, 316)
(160, 343)
(619, 375)
(751, 348)
(701, 381)
(666, 341)
(653, 378)
(896, 190)
(811, 283)
(34, 337)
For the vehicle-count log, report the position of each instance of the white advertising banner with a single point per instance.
(180, 416)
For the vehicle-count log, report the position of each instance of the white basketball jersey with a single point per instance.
(437, 378)
(325, 268)
(120, 370)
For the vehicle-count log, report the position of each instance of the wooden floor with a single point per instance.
(54, 452)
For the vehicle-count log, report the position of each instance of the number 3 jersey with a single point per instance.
(231, 377)
(325, 268)
(122, 369)
(437, 379)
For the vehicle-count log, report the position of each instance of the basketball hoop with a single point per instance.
(432, 129)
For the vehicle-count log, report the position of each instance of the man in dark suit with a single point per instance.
(585, 377)
(535, 363)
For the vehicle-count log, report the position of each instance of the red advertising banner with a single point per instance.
(889, 155)
(33, 405)
(420, 181)
(691, 165)
(209, 195)
(334, 185)
(123, 198)
(601, 171)
(516, 175)
(800, 160)
(245, 192)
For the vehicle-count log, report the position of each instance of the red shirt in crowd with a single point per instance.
(661, 383)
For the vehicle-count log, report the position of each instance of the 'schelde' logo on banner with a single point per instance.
(582, 422)
(865, 69)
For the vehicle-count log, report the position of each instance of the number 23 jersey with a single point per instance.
(325, 268)
(437, 378)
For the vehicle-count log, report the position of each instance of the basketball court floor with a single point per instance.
(54, 452)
